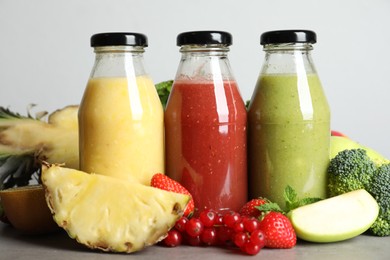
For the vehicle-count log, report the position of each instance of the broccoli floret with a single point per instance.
(380, 190)
(380, 187)
(381, 226)
(350, 170)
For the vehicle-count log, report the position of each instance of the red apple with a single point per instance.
(337, 133)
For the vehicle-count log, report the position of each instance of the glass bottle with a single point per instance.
(205, 124)
(121, 119)
(288, 120)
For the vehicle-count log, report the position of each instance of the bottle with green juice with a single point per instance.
(288, 121)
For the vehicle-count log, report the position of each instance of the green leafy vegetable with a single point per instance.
(163, 90)
(269, 206)
(292, 200)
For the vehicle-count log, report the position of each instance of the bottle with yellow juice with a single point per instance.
(121, 122)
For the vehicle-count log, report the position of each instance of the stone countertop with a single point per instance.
(14, 245)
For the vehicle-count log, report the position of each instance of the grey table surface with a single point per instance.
(15, 245)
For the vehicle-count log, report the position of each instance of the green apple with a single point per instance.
(340, 143)
(335, 219)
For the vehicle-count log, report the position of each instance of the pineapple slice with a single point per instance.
(107, 213)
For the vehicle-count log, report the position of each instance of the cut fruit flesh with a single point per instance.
(108, 213)
(26, 209)
(335, 219)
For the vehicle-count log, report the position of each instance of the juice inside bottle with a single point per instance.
(290, 145)
(206, 143)
(124, 140)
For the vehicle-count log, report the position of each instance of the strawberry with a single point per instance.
(163, 182)
(278, 231)
(250, 210)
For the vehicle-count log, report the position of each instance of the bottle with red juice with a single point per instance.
(205, 124)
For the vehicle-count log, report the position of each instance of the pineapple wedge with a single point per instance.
(107, 213)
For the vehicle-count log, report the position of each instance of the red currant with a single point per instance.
(213, 228)
(219, 220)
(251, 224)
(208, 217)
(209, 236)
(230, 219)
(224, 234)
(240, 238)
(251, 248)
(193, 241)
(238, 227)
(194, 227)
(174, 238)
(258, 238)
(181, 224)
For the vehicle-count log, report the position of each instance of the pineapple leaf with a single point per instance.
(18, 170)
(5, 113)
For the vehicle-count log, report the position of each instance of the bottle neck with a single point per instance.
(290, 58)
(288, 47)
(118, 61)
(204, 63)
(211, 49)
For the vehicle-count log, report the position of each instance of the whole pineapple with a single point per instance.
(25, 140)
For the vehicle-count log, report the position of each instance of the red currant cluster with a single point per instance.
(215, 229)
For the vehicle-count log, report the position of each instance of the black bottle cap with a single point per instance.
(119, 38)
(288, 36)
(204, 37)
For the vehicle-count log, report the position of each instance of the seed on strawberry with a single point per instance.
(163, 182)
(250, 210)
(278, 231)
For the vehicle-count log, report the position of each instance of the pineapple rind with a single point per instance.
(110, 214)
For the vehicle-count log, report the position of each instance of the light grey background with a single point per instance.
(45, 57)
